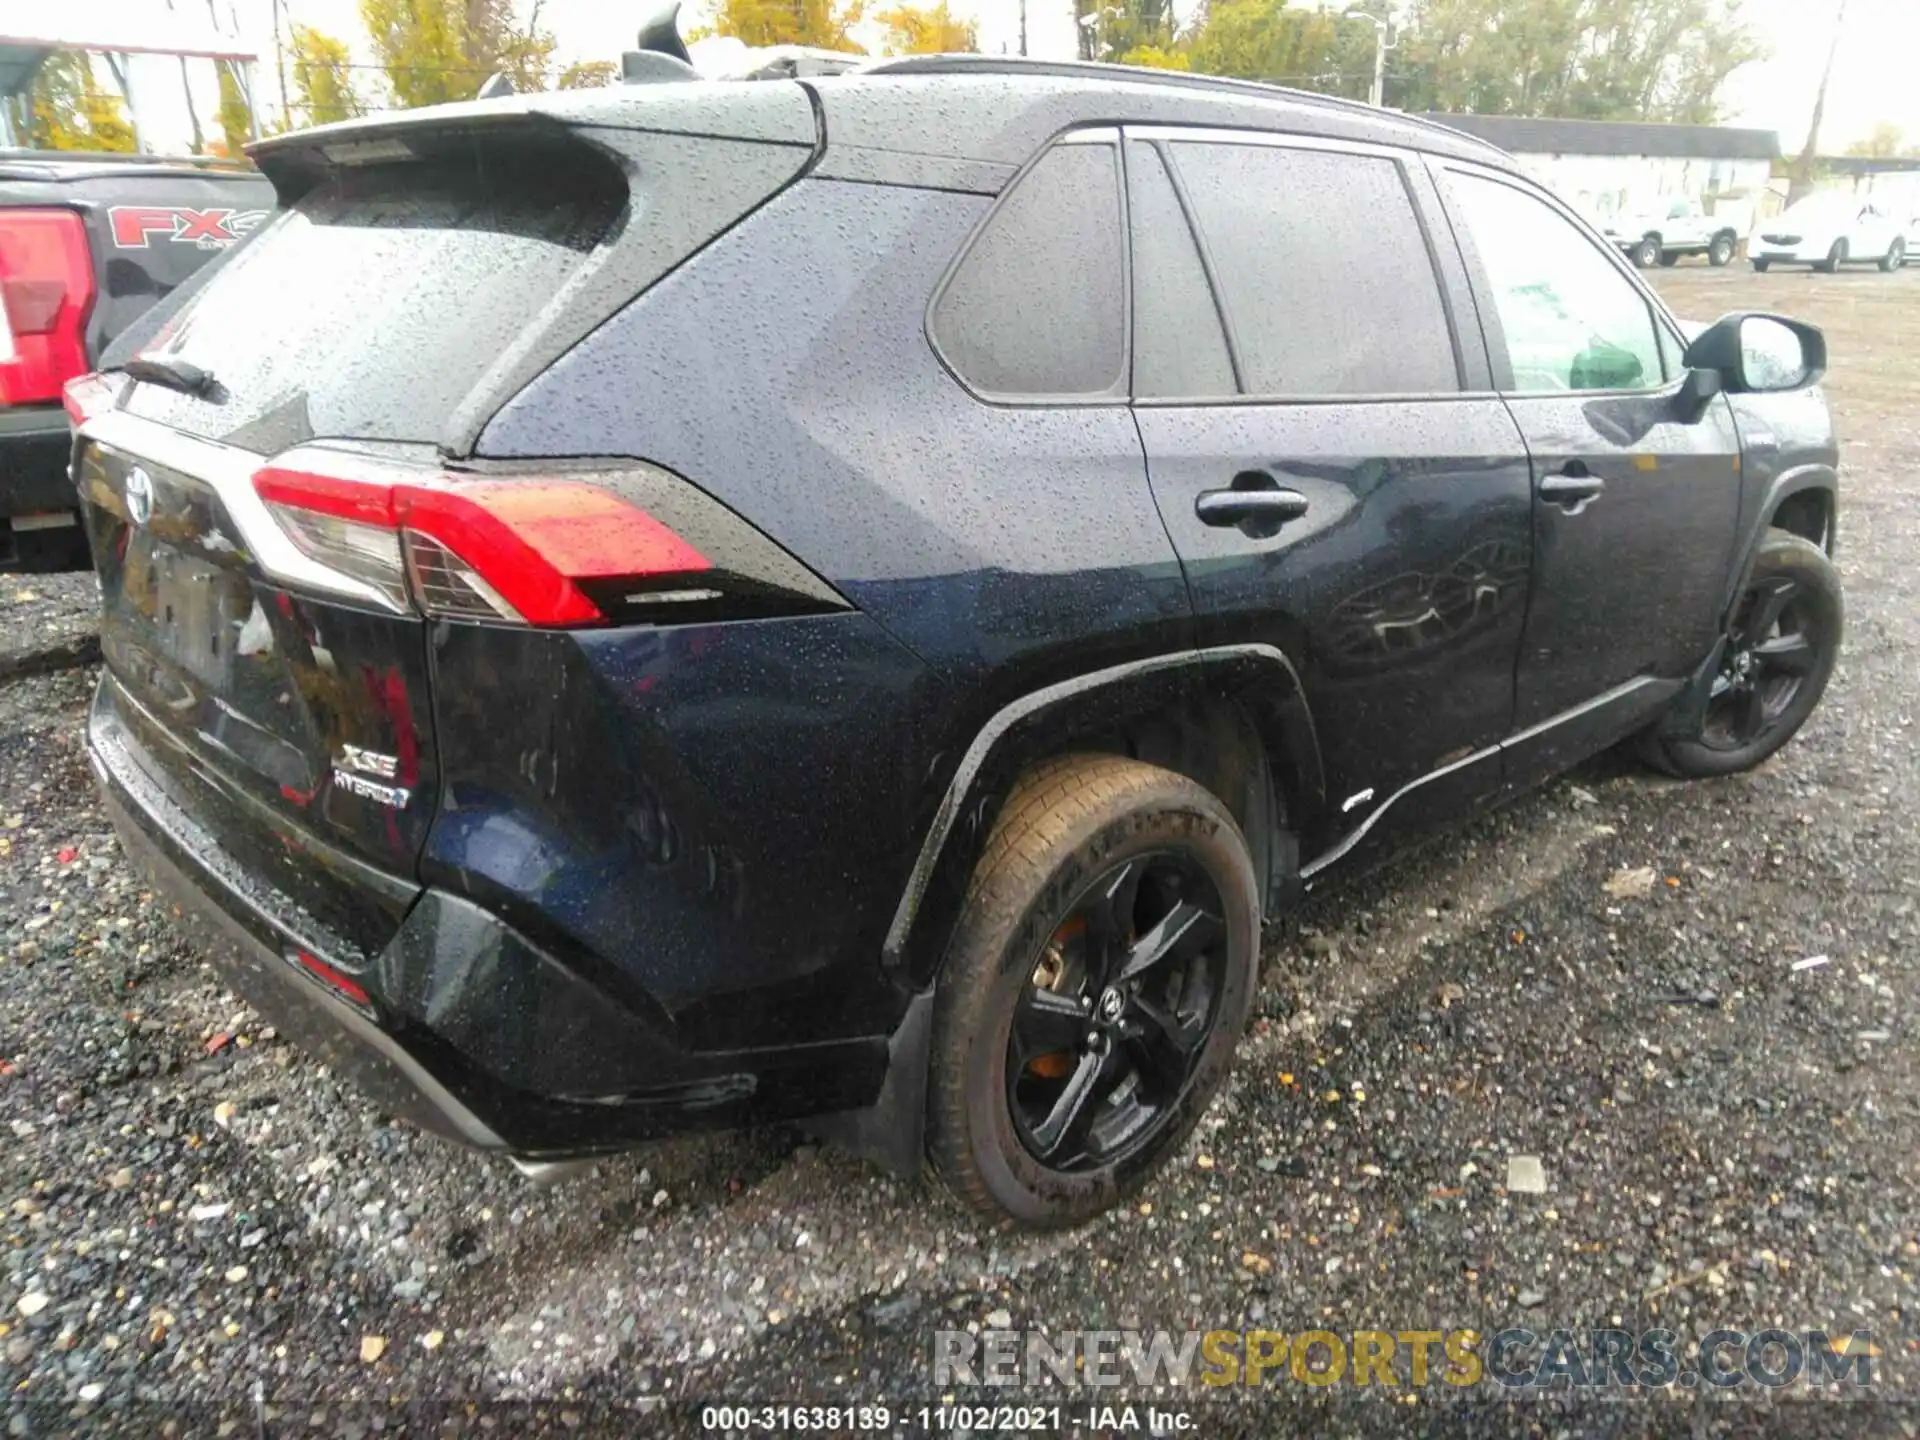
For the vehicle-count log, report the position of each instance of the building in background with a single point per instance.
(1609, 167)
(1892, 182)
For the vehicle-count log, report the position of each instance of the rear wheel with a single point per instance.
(1646, 253)
(1094, 989)
(1836, 257)
(1780, 653)
(1721, 251)
(1896, 255)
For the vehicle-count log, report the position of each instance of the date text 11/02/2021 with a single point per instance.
(961, 1419)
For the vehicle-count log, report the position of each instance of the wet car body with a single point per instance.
(552, 888)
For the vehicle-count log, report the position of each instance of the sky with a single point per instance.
(1874, 77)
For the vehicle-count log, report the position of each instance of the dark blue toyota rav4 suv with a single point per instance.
(853, 599)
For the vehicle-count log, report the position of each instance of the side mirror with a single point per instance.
(1754, 353)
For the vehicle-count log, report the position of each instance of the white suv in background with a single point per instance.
(1685, 229)
(1828, 231)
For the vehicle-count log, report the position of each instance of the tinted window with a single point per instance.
(1038, 306)
(1572, 321)
(1178, 346)
(1323, 270)
(372, 306)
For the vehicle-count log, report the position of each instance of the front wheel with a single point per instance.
(1094, 990)
(1895, 257)
(1836, 257)
(1720, 253)
(1780, 653)
(1647, 253)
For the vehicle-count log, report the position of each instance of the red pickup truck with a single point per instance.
(88, 243)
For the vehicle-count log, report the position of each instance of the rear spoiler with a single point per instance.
(769, 114)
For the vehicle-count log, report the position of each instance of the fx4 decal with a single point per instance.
(134, 226)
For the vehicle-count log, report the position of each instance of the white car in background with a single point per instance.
(1679, 227)
(1828, 231)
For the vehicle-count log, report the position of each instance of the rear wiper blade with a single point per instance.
(174, 373)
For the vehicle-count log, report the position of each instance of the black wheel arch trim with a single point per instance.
(1260, 675)
(1815, 478)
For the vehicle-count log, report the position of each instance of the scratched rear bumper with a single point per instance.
(471, 1029)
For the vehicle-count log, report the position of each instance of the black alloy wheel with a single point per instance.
(1108, 1036)
(1093, 991)
(1770, 654)
(1780, 652)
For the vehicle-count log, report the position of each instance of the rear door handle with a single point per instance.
(1572, 489)
(1259, 509)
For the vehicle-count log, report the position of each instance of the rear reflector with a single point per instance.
(46, 294)
(331, 977)
(515, 550)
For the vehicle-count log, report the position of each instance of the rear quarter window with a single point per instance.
(1036, 308)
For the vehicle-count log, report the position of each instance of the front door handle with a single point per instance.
(1255, 504)
(1571, 489)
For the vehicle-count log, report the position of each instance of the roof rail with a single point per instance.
(1142, 75)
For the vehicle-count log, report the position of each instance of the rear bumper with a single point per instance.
(35, 446)
(469, 1030)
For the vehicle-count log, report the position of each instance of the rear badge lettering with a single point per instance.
(395, 796)
(369, 762)
(353, 759)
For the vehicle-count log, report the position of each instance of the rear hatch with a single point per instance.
(284, 429)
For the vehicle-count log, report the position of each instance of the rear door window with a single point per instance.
(1036, 308)
(1179, 349)
(1323, 269)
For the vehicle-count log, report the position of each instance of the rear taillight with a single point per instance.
(530, 550)
(46, 293)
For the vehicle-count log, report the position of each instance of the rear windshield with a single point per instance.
(371, 307)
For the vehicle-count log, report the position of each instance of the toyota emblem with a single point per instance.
(139, 496)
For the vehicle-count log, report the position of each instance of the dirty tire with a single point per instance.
(1066, 824)
(1787, 557)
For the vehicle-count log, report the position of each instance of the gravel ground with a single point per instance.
(204, 1228)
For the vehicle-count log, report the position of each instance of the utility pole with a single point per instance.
(1802, 179)
(1380, 48)
(280, 68)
